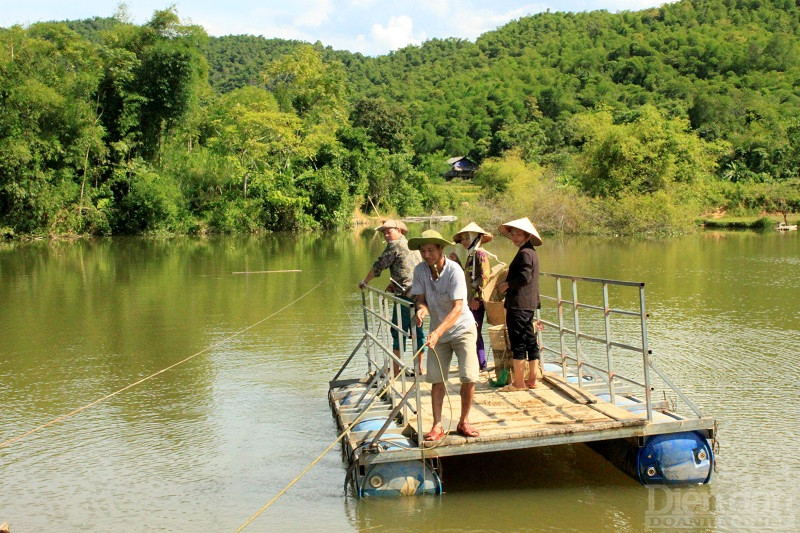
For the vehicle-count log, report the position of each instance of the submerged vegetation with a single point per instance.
(637, 122)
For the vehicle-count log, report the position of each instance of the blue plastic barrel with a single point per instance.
(675, 458)
(370, 424)
(574, 379)
(350, 398)
(404, 478)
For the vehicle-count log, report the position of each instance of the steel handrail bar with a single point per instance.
(397, 313)
(388, 322)
(372, 382)
(339, 373)
(634, 382)
(391, 416)
(637, 349)
(616, 344)
(576, 323)
(584, 363)
(417, 373)
(596, 280)
(412, 335)
(561, 329)
(607, 320)
(367, 350)
(677, 390)
(625, 346)
(389, 295)
(645, 355)
(603, 370)
(589, 306)
(386, 350)
(548, 349)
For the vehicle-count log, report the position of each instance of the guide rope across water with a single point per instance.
(151, 376)
(346, 430)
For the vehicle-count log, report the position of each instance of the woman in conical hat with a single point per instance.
(522, 224)
(476, 269)
(522, 299)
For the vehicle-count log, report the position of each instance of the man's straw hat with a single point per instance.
(525, 225)
(430, 236)
(393, 223)
(474, 228)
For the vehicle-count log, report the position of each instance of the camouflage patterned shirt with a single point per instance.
(399, 260)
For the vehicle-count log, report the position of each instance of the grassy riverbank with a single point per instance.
(761, 221)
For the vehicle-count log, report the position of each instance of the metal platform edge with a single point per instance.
(705, 425)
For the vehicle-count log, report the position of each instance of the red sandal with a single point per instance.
(437, 433)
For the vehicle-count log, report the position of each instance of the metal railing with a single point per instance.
(576, 335)
(382, 313)
(379, 308)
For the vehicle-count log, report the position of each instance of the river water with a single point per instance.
(205, 444)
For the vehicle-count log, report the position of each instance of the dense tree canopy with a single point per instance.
(110, 127)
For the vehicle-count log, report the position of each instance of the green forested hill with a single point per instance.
(731, 67)
(587, 122)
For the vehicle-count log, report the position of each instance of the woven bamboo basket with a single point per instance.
(492, 298)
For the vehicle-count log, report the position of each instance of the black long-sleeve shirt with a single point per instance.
(523, 280)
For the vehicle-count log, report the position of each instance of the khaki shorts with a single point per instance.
(464, 347)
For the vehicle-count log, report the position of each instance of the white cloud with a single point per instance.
(398, 33)
(360, 4)
(473, 23)
(219, 27)
(357, 44)
(440, 8)
(315, 14)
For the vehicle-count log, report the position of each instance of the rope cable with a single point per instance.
(344, 432)
(123, 389)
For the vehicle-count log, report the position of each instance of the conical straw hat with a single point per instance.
(525, 225)
(473, 227)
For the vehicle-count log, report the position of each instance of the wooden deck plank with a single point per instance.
(555, 407)
(522, 420)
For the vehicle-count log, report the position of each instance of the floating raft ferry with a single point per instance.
(597, 389)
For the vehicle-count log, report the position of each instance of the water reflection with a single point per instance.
(209, 442)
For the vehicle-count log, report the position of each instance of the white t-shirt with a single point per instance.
(440, 295)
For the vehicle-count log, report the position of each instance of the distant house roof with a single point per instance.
(460, 166)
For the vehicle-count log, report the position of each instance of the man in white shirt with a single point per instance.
(440, 290)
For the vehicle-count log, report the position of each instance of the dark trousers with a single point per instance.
(405, 320)
(521, 334)
(478, 314)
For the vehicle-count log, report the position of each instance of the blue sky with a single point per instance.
(368, 26)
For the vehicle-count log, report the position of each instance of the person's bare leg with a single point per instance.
(519, 374)
(437, 402)
(396, 364)
(533, 373)
(419, 363)
(467, 394)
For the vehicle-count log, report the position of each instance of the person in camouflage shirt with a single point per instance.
(398, 259)
(476, 270)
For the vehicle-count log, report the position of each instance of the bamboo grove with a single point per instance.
(591, 121)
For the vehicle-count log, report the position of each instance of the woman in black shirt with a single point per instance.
(522, 299)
